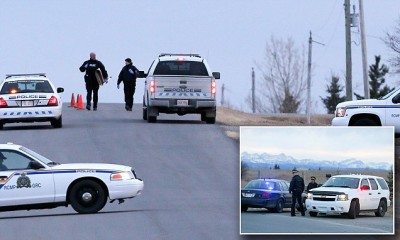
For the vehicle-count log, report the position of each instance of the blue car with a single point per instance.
(272, 194)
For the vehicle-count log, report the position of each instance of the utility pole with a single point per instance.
(253, 90)
(308, 106)
(364, 51)
(349, 90)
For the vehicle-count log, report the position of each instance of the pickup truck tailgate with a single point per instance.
(183, 87)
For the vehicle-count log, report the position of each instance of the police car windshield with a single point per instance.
(342, 182)
(26, 86)
(37, 156)
(191, 68)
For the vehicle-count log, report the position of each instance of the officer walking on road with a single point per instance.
(128, 76)
(296, 188)
(312, 184)
(90, 66)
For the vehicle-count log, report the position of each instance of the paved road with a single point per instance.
(190, 170)
(261, 221)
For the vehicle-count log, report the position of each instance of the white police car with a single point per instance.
(31, 181)
(30, 98)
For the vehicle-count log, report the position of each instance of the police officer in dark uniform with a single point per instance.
(296, 188)
(90, 66)
(128, 76)
(312, 184)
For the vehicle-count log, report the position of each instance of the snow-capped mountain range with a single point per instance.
(265, 160)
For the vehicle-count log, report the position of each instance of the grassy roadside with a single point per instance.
(234, 118)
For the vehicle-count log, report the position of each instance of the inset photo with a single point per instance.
(317, 180)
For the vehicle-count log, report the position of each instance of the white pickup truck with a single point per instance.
(182, 84)
(384, 111)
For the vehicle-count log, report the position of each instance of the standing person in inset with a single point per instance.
(312, 184)
(90, 66)
(128, 76)
(296, 188)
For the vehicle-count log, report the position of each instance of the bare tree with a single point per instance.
(392, 40)
(282, 87)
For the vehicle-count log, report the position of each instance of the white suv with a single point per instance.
(30, 98)
(350, 194)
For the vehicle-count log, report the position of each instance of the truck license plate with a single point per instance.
(27, 103)
(182, 102)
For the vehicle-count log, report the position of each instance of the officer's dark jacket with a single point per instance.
(311, 186)
(128, 74)
(297, 184)
(90, 67)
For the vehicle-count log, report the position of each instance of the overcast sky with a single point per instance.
(57, 36)
(327, 143)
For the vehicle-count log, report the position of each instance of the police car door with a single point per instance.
(21, 184)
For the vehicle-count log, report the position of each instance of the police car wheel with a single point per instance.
(313, 214)
(87, 196)
(1, 125)
(279, 206)
(57, 123)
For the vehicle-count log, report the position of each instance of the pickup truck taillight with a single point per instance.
(152, 86)
(213, 87)
(3, 103)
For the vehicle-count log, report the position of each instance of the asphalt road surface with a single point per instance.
(262, 221)
(190, 170)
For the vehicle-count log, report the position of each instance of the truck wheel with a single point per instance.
(144, 113)
(56, 123)
(210, 120)
(203, 117)
(380, 212)
(354, 209)
(1, 125)
(313, 214)
(150, 119)
(365, 122)
(87, 196)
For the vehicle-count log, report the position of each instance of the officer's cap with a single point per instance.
(128, 60)
(312, 178)
(295, 171)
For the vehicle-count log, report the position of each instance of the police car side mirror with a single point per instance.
(216, 75)
(60, 90)
(142, 74)
(35, 165)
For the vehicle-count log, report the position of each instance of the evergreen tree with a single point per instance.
(334, 97)
(376, 75)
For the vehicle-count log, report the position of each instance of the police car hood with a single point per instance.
(366, 102)
(92, 166)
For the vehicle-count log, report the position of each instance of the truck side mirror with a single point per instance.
(216, 75)
(142, 74)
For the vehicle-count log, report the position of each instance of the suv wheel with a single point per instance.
(151, 119)
(380, 212)
(354, 209)
(313, 214)
(365, 122)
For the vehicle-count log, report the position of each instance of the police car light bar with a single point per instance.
(177, 54)
(26, 74)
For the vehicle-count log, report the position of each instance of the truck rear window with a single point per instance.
(181, 68)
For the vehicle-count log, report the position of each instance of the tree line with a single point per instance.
(284, 72)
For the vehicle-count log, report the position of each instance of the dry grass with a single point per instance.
(231, 117)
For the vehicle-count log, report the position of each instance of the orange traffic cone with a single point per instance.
(73, 103)
(80, 103)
